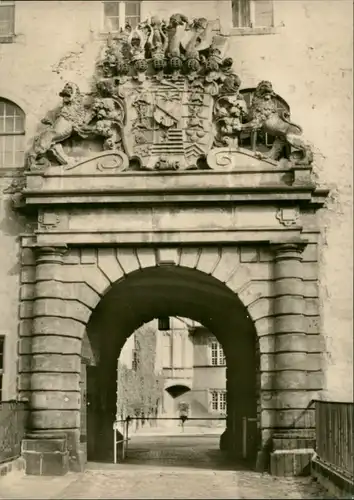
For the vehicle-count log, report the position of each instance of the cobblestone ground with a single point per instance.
(161, 467)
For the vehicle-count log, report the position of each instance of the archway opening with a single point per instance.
(163, 292)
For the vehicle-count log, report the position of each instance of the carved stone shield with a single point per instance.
(169, 123)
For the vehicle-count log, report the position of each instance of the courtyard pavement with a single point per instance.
(163, 467)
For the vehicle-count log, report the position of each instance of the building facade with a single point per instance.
(193, 365)
(257, 248)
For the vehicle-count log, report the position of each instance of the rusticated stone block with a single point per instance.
(240, 278)
(66, 291)
(55, 343)
(61, 326)
(293, 323)
(289, 286)
(310, 289)
(46, 464)
(284, 361)
(72, 256)
(25, 363)
(310, 270)
(286, 399)
(290, 361)
(286, 342)
(285, 380)
(55, 381)
(312, 307)
(27, 291)
(255, 290)
(55, 419)
(44, 445)
(260, 308)
(25, 345)
(296, 418)
(288, 269)
(249, 254)
(262, 270)
(312, 324)
(314, 361)
(24, 382)
(289, 304)
(264, 326)
(55, 400)
(27, 257)
(47, 271)
(291, 462)
(63, 308)
(25, 327)
(56, 363)
(316, 343)
(310, 253)
(94, 278)
(28, 274)
(266, 254)
(26, 309)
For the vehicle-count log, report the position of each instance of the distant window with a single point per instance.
(118, 14)
(2, 346)
(7, 18)
(217, 354)
(252, 13)
(12, 134)
(218, 401)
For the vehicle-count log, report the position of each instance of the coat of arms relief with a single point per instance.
(165, 98)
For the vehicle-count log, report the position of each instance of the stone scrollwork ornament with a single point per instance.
(165, 95)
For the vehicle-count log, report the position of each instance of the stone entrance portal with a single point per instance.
(169, 191)
(171, 289)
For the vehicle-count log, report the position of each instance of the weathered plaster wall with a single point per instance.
(309, 61)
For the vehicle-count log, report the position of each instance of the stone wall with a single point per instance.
(309, 61)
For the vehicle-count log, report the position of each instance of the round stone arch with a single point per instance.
(144, 285)
(72, 290)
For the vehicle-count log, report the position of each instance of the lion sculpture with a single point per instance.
(265, 116)
(70, 118)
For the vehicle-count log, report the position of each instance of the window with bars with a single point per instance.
(12, 135)
(7, 19)
(218, 401)
(2, 352)
(217, 354)
(252, 13)
(118, 14)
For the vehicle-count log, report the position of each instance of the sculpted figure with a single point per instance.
(264, 115)
(110, 115)
(70, 118)
(157, 43)
(230, 110)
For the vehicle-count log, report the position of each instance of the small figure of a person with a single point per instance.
(183, 420)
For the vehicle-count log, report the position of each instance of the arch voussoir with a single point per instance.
(107, 262)
(261, 308)
(208, 260)
(230, 259)
(127, 259)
